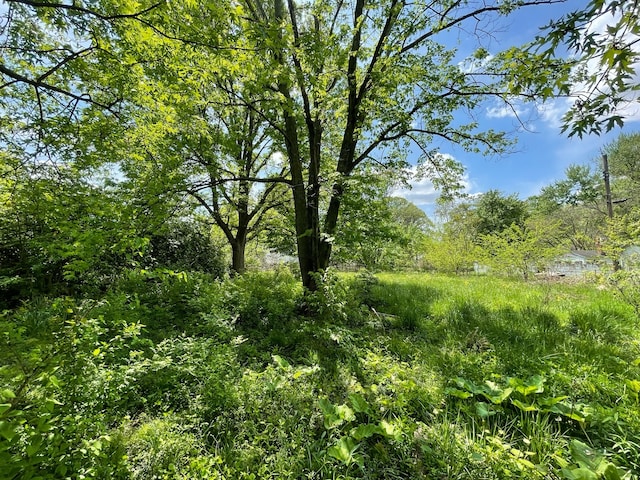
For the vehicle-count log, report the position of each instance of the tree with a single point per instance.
(409, 215)
(349, 78)
(453, 248)
(521, 250)
(602, 41)
(377, 231)
(234, 184)
(575, 204)
(496, 212)
(624, 165)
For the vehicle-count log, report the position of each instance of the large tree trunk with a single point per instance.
(238, 255)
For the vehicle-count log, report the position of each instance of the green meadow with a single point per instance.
(394, 376)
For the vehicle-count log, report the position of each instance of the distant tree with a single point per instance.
(408, 214)
(496, 212)
(520, 250)
(581, 186)
(377, 231)
(624, 166)
(452, 247)
(575, 205)
(450, 252)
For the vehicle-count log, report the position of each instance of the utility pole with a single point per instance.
(607, 191)
(607, 184)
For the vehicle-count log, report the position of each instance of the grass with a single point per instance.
(401, 376)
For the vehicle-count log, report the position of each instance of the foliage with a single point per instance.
(582, 186)
(623, 154)
(336, 110)
(183, 246)
(521, 250)
(60, 231)
(378, 232)
(180, 376)
(622, 239)
(605, 63)
(496, 212)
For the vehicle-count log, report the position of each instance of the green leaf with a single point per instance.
(7, 430)
(524, 407)
(34, 447)
(549, 401)
(359, 404)
(390, 430)
(484, 410)
(634, 385)
(579, 474)
(468, 385)
(7, 394)
(365, 431)
(533, 384)
(280, 362)
(345, 413)
(584, 455)
(326, 406)
(454, 392)
(496, 395)
(343, 450)
(53, 380)
(611, 472)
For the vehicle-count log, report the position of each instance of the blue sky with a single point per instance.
(542, 153)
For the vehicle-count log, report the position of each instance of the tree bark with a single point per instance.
(238, 264)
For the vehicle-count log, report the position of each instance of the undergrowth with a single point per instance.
(394, 376)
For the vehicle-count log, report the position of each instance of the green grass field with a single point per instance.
(396, 376)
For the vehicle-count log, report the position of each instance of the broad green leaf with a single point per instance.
(579, 474)
(326, 406)
(345, 413)
(468, 385)
(343, 450)
(390, 430)
(280, 362)
(359, 404)
(454, 392)
(484, 410)
(496, 395)
(533, 384)
(611, 472)
(547, 402)
(524, 407)
(584, 455)
(365, 431)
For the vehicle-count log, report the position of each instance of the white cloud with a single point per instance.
(420, 191)
(473, 64)
(507, 111)
(551, 112)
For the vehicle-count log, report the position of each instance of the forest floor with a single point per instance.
(395, 376)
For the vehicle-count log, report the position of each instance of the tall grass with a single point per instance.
(398, 376)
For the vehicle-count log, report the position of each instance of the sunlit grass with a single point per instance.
(229, 380)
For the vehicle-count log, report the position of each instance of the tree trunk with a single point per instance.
(238, 256)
